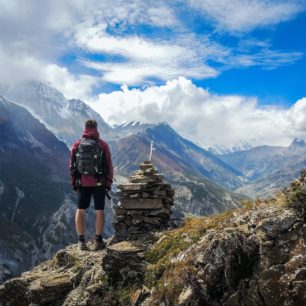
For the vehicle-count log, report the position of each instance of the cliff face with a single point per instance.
(36, 200)
(252, 256)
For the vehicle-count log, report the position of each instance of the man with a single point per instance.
(91, 175)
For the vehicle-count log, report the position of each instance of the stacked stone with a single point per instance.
(124, 263)
(146, 203)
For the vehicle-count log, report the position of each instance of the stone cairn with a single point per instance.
(145, 207)
(146, 203)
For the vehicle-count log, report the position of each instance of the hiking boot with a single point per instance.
(99, 245)
(82, 246)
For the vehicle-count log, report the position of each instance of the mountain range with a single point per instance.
(202, 181)
(175, 156)
(38, 124)
(268, 168)
(257, 171)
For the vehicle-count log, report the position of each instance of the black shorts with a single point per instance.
(84, 197)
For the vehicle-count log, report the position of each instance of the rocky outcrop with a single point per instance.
(124, 262)
(257, 258)
(253, 256)
(230, 257)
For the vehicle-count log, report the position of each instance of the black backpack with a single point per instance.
(89, 158)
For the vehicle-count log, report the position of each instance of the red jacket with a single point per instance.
(90, 180)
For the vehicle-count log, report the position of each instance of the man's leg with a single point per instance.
(80, 221)
(84, 195)
(99, 222)
(99, 198)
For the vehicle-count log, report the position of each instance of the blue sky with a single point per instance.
(192, 63)
(284, 84)
(275, 50)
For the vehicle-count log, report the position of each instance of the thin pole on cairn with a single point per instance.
(151, 151)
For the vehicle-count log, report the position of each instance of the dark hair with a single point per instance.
(91, 124)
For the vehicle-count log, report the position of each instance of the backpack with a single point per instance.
(90, 158)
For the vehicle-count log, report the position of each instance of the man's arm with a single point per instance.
(72, 166)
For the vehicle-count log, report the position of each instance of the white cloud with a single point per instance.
(72, 86)
(17, 68)
(297, 117)
(39, 32)
(138, 72)
(246, 15)
(266, 58)
(133, 47)
(144, 59)
(205, 118)
(121, 12)
(34, 34)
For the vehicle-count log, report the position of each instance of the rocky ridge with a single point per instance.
(251, 256)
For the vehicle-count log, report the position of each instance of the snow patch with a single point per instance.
(183, 192)
(65, 112)
(60, 221)
(1, 189)
(218, 149)
(20, 196)
(35, 143)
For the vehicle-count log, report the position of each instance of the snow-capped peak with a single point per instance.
(222, 149)
(297, 143)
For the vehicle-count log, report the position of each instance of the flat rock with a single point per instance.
(141, 203)
(120, 211)
(146, 166)
(133, 187)
(126, 247)
(145, 179)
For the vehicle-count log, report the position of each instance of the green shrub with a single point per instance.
(296, 195)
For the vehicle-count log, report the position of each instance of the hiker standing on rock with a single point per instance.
(91, 175)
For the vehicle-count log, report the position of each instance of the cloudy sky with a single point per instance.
(221, 72)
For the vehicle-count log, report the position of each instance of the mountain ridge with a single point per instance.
(168, 139)
(32, 187)
(64, 117)
(226, 172)
(190, 169)
(269, 168)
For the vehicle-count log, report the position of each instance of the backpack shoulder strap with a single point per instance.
(73, 160)
(77, 145)
(102, 159)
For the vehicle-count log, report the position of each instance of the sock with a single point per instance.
(81, 238)
(99, 238)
